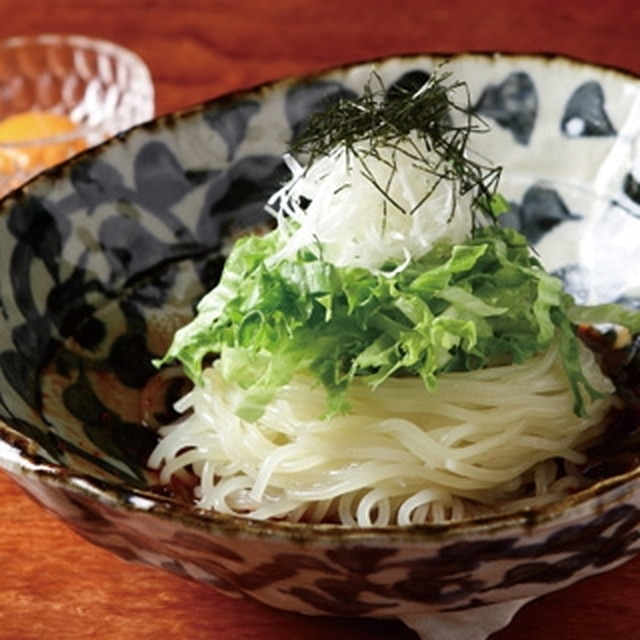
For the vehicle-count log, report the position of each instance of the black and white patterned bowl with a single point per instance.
(103, 258)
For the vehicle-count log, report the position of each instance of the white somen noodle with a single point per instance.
(498, 437)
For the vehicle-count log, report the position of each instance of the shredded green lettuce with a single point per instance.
(460, 307)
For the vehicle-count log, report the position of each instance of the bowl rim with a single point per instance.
(25, 460)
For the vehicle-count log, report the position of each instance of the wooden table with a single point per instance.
(55, 585)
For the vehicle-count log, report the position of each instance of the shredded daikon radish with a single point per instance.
(363, 206)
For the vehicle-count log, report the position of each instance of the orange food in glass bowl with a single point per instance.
(37, 139)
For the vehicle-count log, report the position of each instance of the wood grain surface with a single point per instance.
(54, 584)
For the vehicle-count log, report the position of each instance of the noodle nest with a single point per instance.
(496, 438)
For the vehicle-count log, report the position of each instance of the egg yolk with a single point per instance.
(24, 146)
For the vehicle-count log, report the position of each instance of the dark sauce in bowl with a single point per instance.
(618, 449)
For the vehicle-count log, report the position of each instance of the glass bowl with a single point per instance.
(61, 94)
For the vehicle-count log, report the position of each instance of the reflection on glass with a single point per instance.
(61, 94)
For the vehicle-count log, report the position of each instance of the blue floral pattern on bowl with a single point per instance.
(104, 257)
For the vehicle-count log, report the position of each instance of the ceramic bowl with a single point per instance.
(103, 258)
